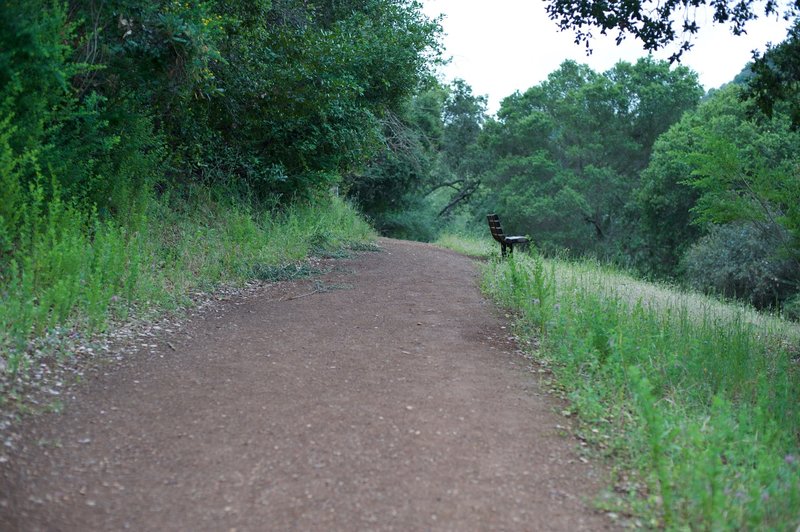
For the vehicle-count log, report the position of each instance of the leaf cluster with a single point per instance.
(774, 83)
(658, 24)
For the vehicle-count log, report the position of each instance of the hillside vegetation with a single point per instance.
(693, 399)
(151, 149)
(636, 165)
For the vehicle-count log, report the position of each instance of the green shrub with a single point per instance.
(741, 261)
(791, 308)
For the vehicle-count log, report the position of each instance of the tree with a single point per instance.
(663, 200)
(722, 189)
(775, 74)
(658, 24)
(464, 114)
(568, 152)
(775, 79)
(399, 175)
(749, 171)
(277, 97)
(105, 103)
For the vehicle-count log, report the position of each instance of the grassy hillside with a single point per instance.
(77, 273)
(693, 399)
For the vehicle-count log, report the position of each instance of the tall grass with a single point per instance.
(74, 272)
(468, 245)
(695, 399)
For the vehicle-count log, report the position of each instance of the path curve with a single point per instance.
(391, 399)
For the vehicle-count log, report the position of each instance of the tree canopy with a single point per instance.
(567, 153)
(775, 79)
(280, 97)
(659, 24)
(105, 103)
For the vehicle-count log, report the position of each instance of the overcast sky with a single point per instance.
(506, 45)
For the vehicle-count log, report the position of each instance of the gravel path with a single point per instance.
(383, 396)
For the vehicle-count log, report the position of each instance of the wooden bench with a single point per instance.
(507, 243)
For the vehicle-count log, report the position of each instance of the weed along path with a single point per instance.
(385, 395)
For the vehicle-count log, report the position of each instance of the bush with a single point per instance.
(740, 261)
(791, 308)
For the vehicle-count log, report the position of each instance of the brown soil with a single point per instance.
(388, 396)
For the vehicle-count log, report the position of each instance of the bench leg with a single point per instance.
(503, 250)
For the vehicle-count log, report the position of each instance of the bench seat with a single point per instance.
(507, 243)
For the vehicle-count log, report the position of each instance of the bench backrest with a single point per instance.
(496, 228)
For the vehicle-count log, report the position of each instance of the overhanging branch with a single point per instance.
(463, 195)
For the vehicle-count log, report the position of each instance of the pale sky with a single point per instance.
(506, 45)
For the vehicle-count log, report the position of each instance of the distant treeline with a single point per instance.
(635, 165)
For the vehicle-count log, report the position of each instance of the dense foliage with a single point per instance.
(276, 97)
(561, 160)
(102, 101)
(719, 172)
(634, 165)
(748, 180)
(568, 152)
(114, 113)
(775, 79)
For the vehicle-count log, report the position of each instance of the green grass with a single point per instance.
(694, 400)
(468, 245)
(75, 273)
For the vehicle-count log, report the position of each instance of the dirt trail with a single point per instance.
(394, 402)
